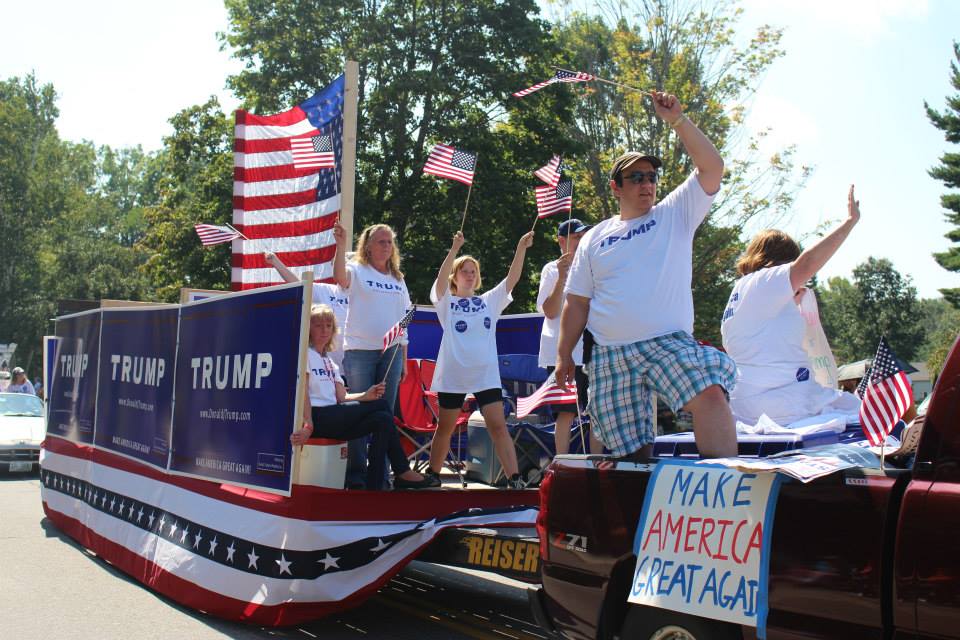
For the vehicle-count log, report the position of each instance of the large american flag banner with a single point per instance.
(286, 188)
(551, 200)
(886, 396)
(548, 393)
(559, 76)
(449, 162)
(244, 555)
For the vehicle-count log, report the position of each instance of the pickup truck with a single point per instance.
(860, 553)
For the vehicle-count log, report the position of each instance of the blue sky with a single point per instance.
(849, 93)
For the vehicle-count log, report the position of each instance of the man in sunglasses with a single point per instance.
(630, 285)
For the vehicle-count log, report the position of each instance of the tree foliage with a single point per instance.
(880, 302)
(948, 172)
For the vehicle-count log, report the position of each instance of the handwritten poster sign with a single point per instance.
(703, 542)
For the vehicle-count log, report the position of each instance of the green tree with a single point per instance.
(880, 302)
(934, 315)
(193, 183)
(948, 172)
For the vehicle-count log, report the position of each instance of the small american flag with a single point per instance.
(211, 234)
(312, 152)
(398, 329)
(886, 397)
(449, 162)
(550, 172)
(549, 393)
(551, 200)
(559, 76)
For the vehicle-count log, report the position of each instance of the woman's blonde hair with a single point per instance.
(457, 265)
(363, 251)
(769, 248)
(322, 312)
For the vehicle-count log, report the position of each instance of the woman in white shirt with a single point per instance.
(763, 330)
(331, 412)
(377, 299)
(468, 362)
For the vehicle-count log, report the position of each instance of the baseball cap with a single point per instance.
(17, 370)
(583, 228)
(569, 226)
(629, 158)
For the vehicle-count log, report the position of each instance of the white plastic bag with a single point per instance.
(815, 343)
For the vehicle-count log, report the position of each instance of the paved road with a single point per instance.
(50, 587)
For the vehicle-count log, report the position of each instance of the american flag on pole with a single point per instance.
(548, 393)
(449, 162)
(211, 234)
(285, 197)
(551, 200)
(397, 330)
(550, 172)
(312, 151)
(886, 396)
(559, 76)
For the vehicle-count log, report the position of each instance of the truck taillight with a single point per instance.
(542, 516)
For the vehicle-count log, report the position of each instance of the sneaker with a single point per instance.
(433, 477)
(516, 482)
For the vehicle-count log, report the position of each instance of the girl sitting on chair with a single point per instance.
(334, 413)
(467, 362)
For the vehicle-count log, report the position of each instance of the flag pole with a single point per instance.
(463, 220)
(583, 440)
(348, 157)
(616, 84)
(235, 231)
(534, 223)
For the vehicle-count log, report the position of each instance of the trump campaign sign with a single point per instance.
(236, 387)
(138, 347)
(72, 394)
(703, 542)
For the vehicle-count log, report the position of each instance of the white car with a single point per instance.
(21, 431)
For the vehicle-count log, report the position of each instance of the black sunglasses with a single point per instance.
(639, 177)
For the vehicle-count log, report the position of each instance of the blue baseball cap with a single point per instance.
(570, 226)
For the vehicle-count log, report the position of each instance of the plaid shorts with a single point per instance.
(622, 379)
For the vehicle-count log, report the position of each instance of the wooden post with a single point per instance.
(348, 176)
(307, 281)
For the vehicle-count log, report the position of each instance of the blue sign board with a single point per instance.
(135, 402)
(236, 382)
(72, 393)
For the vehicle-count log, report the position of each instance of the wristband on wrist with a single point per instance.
(676, 123)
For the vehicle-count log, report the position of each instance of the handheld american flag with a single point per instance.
(559, 76)
(550, 172)
(211, 234)
(548, 393)
(285, 197)
(551, 200)
(397, 330)
(886, 397)
(449, 162)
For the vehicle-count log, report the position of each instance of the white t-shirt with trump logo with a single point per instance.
(468, 361)
(377, 301)
(324, 374)
(637, 273)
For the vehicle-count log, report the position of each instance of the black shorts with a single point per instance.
(582, 383)
(455, 400)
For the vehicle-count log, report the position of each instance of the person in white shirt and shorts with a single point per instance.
(630, 285)
(553, 279)
(467, 362)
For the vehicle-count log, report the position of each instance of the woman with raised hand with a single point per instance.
(377, 299)
(468, 362)
(331, 412)
(763, 329)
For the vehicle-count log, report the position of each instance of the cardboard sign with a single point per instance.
(703, 542)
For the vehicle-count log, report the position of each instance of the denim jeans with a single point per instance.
(363, 369)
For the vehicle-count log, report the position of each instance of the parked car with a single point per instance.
(21, 432)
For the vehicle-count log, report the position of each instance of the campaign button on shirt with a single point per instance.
(803, 374)
(460, 326)
(486, 322)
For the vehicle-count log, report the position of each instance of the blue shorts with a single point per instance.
(622, 379)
